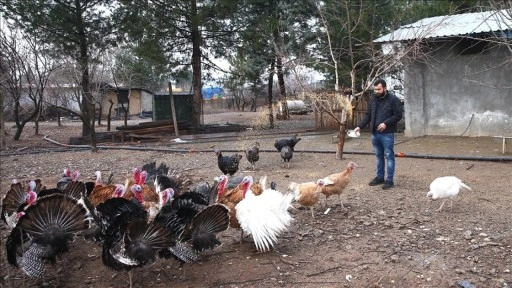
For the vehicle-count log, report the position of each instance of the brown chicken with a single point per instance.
(336, 183)
(307, 194)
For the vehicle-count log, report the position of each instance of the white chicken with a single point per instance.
(444, 188)
(264, 216)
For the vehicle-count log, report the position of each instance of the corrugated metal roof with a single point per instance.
(452, 25)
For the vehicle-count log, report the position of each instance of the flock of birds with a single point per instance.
(153, 216)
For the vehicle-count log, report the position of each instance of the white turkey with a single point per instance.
(265, 216)
(444, 188)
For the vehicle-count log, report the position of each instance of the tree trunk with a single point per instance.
(109, 117)
(58, 118)
(341, 142)
(20, 124)
(341, 135)
(3, 141)
(88, 102)
(36, 126)
(99, 116)
(270, 84)
(125, 116)
(282, 89)
(196, 67)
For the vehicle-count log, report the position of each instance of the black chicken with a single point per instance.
(44, 233)
(287, 154)
(228, 164)
(279, 144)
(253, 154)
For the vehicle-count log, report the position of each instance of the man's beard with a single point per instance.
(380, 95)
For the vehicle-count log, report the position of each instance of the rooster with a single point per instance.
(264, 216)
(228, 164)
(307, 194)
(253, 154)
(336, 183)
(287, 154)
(17, 199)
(444, 188)
(279, 144)
(44, 233)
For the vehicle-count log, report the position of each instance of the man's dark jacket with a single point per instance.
(387, 110)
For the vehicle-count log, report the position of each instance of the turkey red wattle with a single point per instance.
(165, 196)
(137, 191)
(246, 184)
(143, 175)
(31, 197)
(119, 191)
(75, 176)
(136, 174)
(223, 180)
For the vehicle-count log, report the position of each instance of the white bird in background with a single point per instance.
(264, 216)
(444, 188)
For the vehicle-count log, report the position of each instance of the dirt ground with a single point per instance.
(391, 238)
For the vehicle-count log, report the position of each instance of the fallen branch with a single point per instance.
(477, 246)
(241, 282)
(323, 271)
(288, 262)
(485, 199)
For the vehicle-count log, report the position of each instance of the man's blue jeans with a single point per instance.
(383, 147)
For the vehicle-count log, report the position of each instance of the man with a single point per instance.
(384, 111)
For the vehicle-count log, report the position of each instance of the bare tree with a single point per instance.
(25, 72)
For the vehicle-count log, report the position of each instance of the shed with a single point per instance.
(464, 88)
(183, 102)
(137, 100)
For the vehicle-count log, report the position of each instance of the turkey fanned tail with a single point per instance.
(45, 231)
(135, 244)
(205, 225)
(11, 203)
(181, 252)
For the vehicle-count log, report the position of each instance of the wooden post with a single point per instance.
(173, 111)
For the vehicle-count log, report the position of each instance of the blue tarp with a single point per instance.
(212, 92)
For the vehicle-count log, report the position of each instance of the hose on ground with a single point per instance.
(401, 155)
